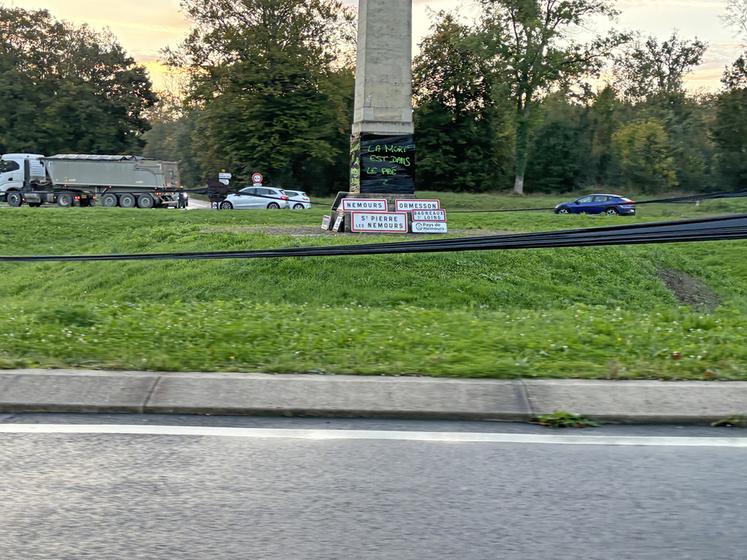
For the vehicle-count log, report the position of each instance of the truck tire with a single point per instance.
(109, 200)
(145, 201)
(127, 200)
(65, 200)
(14, 199)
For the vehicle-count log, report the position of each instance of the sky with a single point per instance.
(144, 27)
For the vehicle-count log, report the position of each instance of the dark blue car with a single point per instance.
(610, 204)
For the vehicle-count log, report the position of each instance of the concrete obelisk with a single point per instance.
(383, 147)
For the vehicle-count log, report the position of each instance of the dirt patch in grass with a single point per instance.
(688, 289)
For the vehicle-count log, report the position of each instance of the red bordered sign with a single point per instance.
(429, 215)
(364, 205)
(410, 204)
(378, 222)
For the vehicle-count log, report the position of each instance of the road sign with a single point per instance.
(429, 227)
(257, 178)
(224, 177)
(364, 204)
(379, 222)
(429, 215)
(409, 204)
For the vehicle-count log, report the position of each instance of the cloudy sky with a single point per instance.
(146, 26)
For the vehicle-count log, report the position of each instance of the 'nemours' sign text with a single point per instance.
(378, 222)
(369, 204)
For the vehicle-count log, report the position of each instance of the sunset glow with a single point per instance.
(144, 27)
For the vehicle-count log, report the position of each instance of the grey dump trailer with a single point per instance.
(85, 180)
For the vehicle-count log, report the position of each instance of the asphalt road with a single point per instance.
(234, 488)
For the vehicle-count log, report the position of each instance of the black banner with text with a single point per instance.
(383, 164)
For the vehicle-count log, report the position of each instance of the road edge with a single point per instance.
(423, 398)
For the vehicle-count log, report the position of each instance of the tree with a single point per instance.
(559, 145)
(736, 16)
(459, 123)
(730, 128)
(603, 119)
(533, 40)
(652, 75)
(67, 89)
(273, 93)
(643, 153)
(649, 70)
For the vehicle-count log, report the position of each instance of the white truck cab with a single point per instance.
(12, 170)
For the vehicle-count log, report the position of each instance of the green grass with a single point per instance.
(591, 313)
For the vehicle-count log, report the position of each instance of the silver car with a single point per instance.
(298, 200)
(256, 198)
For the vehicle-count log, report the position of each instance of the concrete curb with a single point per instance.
(367, 397)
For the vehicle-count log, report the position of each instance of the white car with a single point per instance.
(298, 200)
(256, 198)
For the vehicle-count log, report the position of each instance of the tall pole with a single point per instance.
(382, 146)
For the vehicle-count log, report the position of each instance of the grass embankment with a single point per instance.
(597, 312)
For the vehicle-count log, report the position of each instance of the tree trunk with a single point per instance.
(522, 150)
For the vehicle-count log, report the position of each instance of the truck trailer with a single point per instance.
(84, 180)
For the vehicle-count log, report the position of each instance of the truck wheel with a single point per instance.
(145, 201)
(65, 200)
(14, 199)
(127, 201)
(109, 200)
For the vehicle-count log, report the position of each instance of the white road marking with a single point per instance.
(337, 435)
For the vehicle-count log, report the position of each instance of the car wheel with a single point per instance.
(298, 206)
(14, 199)
(612, 211)
(225, 205)
(564, 211)
(273, 206)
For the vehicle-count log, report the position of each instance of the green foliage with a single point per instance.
(562, 419)
(535, 52)
(730, 128)
(558, 146)
(67, 89)
(649, 70)
(643, 151)
(458, 117)
(273, 92)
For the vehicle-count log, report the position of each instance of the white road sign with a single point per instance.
(409, 204)
(429, 215)
(368, 204)
(379, 222)
(430, 227)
